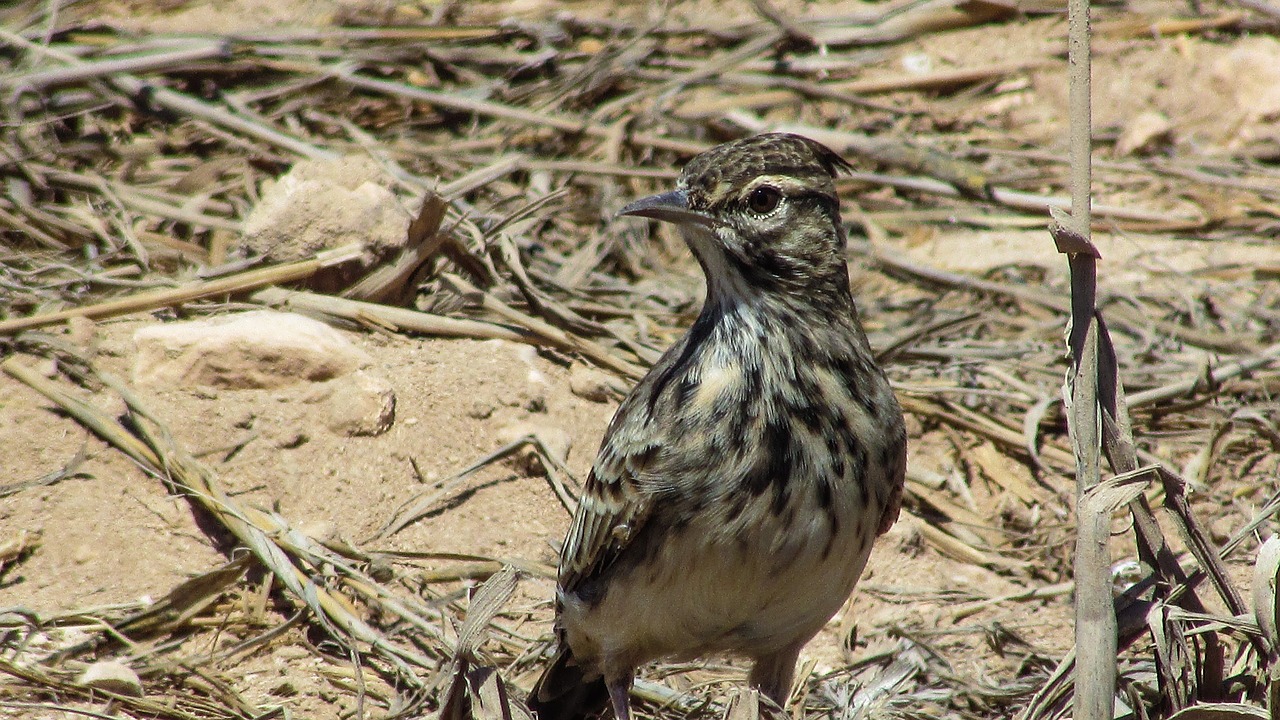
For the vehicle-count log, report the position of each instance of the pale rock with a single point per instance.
(83, 554)
(591, 384)
(535, 403)
(528, 354)
(112, 676)
(1221, 529)
(287, 438)
(1250, 73)
(259, 349)
(323, 204)
(47, 367)
(112, 345)
(360, 404)
(481, 409)
(322, 531)
(917, 63)
(1144, 133)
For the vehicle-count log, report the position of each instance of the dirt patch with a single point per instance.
(966, 605)
(113, 535)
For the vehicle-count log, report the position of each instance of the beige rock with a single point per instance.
(1221, 529)
(323, 204)
(288, 438)
(1143, 133)
(481, 409)
(1250, 74)
(322, 531)
(592, 384)
(360, 404)
(83, 554)
(259, 349)
(1251, 70)
(112, 676)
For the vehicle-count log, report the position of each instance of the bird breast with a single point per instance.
(765, 498)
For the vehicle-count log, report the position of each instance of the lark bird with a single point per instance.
(740, 485)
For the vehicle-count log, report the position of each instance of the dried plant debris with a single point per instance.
(446, 171)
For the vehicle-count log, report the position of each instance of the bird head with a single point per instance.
(761, 215)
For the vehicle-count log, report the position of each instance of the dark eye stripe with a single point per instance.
(816, 197)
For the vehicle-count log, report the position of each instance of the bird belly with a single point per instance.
(708, 589)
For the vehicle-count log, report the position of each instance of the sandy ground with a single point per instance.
(112, 535)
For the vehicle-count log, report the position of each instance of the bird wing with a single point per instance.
(640, 458)
(612, 510)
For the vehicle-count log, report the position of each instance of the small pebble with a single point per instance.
(112, 676)
(591, 384)
(481, 410)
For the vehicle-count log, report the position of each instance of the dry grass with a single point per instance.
(129, 164)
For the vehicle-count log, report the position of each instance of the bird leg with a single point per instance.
(620, 696)
(773, 673)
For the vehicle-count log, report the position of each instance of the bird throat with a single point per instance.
(730, 289)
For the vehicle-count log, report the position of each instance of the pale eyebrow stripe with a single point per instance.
(785, 183)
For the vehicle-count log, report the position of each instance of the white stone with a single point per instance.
(322, 531)
(258, 349)
(360, 404)
(112, 676)
(322, 204)
(1251, 71)
(591, 384)
(1143, 133)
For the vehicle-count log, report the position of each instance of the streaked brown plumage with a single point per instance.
(740, 485)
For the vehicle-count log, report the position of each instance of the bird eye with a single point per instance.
(764, 199)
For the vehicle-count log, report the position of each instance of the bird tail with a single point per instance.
(564, 692)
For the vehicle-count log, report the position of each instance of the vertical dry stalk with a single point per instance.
(1095, 613)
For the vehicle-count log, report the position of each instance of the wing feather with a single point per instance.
(612, 510)
(638, 457)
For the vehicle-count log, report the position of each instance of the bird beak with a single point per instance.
(673, 207)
